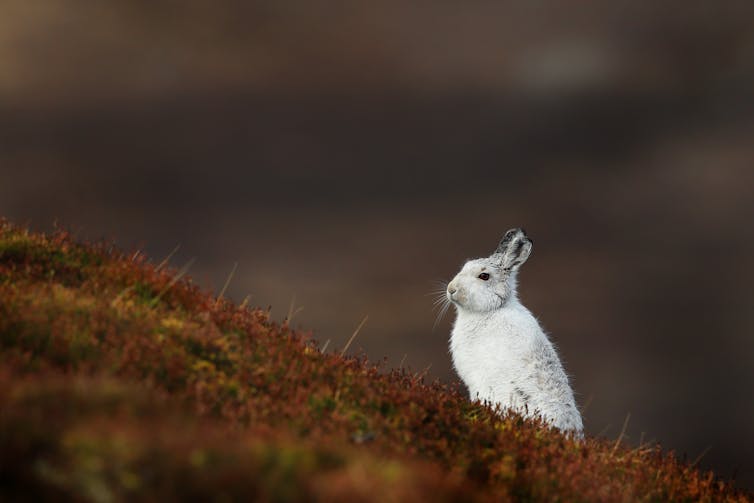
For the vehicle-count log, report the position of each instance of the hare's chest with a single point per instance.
(487, 365)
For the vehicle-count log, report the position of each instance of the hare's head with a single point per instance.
(486, 284)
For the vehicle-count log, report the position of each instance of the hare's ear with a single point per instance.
(513, 249)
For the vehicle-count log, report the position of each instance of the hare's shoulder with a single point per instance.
(516, 322)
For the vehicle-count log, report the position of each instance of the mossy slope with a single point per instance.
(118, 382)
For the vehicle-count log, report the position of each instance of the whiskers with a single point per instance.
(441, 303)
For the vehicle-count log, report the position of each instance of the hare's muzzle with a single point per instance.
(452, 290)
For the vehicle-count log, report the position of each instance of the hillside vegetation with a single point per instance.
(121, 381)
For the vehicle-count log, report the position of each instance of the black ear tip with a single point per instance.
(515, 232)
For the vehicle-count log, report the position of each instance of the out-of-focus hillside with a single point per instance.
(376, 146)
(134, 49)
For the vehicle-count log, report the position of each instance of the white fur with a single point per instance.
(499, 349)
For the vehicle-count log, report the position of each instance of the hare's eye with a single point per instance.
(484, 276)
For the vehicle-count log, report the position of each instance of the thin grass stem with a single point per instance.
(355, 333)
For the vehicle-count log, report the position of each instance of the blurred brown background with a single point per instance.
(349, 155)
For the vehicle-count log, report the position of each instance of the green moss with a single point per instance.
(16, 248)
(321, 405)
(144, 292)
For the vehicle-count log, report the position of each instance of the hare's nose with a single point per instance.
(452, 290)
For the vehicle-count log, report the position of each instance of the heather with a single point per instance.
(121, 379)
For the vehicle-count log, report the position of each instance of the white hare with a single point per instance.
(497, 345)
